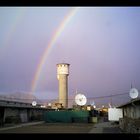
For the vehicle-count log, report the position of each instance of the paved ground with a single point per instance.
(7, 128)
(105, 127)
(51, 128)
(41, 127)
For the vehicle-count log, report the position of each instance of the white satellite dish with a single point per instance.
(109, 104)
(133, 93)
(34, 103)
(49, 104)
(92, 103)
(80, 99)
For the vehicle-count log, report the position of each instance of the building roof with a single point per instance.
(62, 64)
(130, 102)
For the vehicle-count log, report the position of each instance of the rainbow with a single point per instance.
(16, 20)
(54, 38)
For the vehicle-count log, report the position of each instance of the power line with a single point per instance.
(108, 96)
(97, 97)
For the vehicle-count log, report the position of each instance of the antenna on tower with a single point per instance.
(76, 90)
(131, 85)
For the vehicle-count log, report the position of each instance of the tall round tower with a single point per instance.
(62, 76)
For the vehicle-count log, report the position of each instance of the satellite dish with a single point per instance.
(109, 105)
(49, 104)
(80, 99)
(92, 103)
(34, 103)
(133, 93)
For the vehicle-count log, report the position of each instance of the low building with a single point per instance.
(130, 123)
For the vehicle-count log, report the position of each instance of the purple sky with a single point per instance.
(101, 44)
